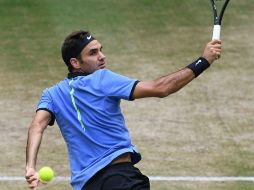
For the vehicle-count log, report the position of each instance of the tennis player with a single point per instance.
(86, 107)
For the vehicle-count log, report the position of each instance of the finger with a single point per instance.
(215, 42)
(217, 55)
(34, 184)
(218, 46)
(215, 50)
(31, 179)
(28, 176)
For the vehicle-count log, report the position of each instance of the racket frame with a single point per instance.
(218, 18)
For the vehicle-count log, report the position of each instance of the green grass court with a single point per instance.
(206, 129)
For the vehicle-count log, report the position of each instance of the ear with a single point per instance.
(75, 63)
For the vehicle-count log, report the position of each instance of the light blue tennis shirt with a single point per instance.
(87, 111)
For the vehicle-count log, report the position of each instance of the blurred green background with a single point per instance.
(206, 129)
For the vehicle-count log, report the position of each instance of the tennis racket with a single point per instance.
(222, 5)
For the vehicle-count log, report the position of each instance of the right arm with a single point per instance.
(173, 82)
(35, 132)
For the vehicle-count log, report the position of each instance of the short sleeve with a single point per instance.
(116, 85)
(46, 104)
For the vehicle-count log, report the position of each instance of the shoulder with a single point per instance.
(103, 72)
(54, 87)
(107, 74)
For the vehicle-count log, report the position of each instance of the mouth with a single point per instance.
(102, 65)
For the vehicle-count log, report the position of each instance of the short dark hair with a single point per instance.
(69, 45)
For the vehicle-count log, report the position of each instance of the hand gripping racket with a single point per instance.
(218, 17)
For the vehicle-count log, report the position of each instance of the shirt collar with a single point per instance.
(76, 74)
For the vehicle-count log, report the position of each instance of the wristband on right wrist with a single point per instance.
(199, 66)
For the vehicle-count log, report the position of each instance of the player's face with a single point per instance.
(92, 57)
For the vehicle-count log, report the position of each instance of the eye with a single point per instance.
(93, 52)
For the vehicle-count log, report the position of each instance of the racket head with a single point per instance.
(219, 7)
(215, 13)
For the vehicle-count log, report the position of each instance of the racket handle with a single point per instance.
(216, 32)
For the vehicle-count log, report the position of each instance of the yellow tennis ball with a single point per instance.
(46, 174)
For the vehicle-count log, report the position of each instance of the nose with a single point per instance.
(101, 56)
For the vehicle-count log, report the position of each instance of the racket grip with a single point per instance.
(216, 32)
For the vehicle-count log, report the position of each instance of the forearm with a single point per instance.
(33, 144)
(176, 81)
(35, 132)
(171, 83)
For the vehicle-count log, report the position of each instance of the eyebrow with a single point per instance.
(96, 49)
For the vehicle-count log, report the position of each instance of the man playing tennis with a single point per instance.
(86, 106)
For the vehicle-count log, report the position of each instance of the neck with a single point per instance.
(78, 71)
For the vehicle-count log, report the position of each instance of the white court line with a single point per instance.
(200, 178)
(156, 178)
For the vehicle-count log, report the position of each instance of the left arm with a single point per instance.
(36, 129)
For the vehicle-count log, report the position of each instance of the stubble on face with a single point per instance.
(92, 58)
